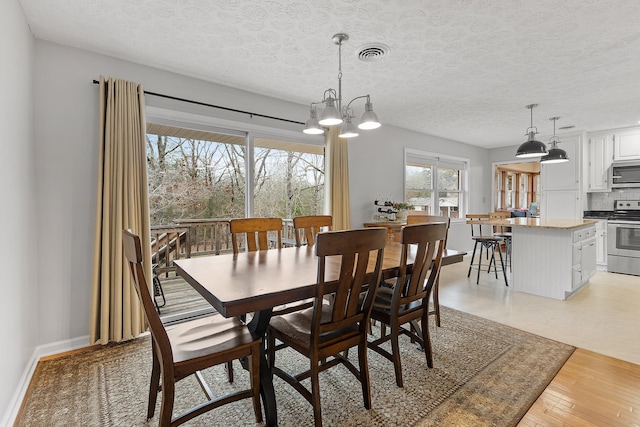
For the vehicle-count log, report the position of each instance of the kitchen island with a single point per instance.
(550, 257)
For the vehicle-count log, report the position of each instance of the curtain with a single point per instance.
(122, 203)
(338, 177)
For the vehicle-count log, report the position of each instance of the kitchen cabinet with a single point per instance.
(565, 204)
(563, 176)
(601, 245)
(626, 145)
(584, 256)
(599, 155)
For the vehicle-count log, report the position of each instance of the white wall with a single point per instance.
(376, 166)
(19, 249)
(66, 136)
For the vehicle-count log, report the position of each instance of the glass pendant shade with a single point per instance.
(369, 119)
(330, 115)
(531, 148)
(348, 130)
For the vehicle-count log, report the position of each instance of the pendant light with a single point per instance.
(334, 113)
(556, 155)
(532, 147)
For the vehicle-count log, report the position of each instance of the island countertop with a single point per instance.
(565, 224)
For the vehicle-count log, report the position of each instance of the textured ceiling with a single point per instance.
(459, 69)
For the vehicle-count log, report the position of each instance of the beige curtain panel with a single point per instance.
(337, 156)
(122, 203)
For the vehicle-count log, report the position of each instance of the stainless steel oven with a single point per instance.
(623, 238)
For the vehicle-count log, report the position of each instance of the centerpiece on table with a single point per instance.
(402, 209)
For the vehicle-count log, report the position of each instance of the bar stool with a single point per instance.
(487, 241)
(504, 233)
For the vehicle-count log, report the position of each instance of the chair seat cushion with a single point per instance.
(487, 238)
(201, 337)
(297, 325)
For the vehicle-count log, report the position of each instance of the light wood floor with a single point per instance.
(600, 383)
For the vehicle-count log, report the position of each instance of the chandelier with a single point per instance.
(334, 113)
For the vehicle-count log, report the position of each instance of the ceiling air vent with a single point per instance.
(372, 52)
(566, 127)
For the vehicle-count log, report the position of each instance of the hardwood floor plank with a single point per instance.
(590, 390)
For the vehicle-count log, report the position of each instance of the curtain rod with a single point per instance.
(175, 98)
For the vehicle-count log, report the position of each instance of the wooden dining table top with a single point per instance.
(236, 284)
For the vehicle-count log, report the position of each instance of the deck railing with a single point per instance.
(188, 238)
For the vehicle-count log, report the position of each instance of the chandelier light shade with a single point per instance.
(556, 155)
(531, 147)
(312, 127)
(334, 113)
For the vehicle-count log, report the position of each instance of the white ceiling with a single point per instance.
(459, 69)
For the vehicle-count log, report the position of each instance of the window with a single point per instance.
(199, 174)
(435, 184)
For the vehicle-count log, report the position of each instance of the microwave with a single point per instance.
(625, 175)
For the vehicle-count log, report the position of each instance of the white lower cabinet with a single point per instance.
(583, 256)
(601, 245)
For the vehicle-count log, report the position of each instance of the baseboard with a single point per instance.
(41, 351)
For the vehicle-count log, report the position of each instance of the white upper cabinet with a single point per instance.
(563, 176)
(626, 145)
(599, 160)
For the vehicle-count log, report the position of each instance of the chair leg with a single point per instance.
(504, 272)
(493, 260)
(436, 301)
(395, 351)
(229, 367)
(364, 372)
(154, 385)
(315, 394)
(426, 340)
(479, 265)
(473, 256)
(254, 362)
(168, 394)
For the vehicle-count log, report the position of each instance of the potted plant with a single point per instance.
(402, 207)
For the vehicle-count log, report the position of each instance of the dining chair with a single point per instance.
(322, 333)
(186, 349)
(407, 301)
(487, 241)
(257, 237)
(307, 227)
(428, 219)
(258, 233)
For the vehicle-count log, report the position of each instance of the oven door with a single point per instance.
(623, 238)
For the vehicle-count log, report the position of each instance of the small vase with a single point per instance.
(401, 215)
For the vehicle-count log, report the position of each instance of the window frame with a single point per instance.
(436, 160)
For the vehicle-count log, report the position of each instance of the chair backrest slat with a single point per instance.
(476, 229)
(309, 226)
(426, 243)
(256, 231)
(354, 249)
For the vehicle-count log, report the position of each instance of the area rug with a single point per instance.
(485, 374)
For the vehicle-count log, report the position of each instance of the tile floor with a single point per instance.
(603, 316)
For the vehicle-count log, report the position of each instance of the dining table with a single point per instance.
(256, 282)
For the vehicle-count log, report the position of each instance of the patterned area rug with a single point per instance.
(485, 374)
